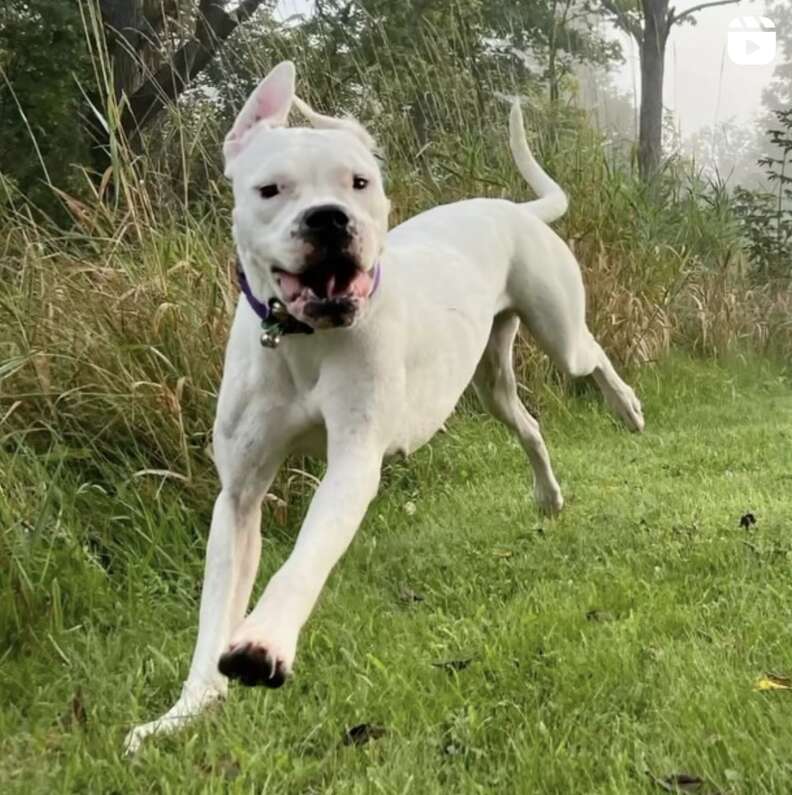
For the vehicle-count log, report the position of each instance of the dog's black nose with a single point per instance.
(325, 219)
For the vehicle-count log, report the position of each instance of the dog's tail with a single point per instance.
(552, 202)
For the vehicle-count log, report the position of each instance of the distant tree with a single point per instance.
(559, 33)
(728, 151)
(611, 109)
(53, 112)
(649, 22)
(519, 39)
(766, 216)
(158, 47)
(778, 95)
(42, 57)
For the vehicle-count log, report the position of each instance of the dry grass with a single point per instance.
(121, 348)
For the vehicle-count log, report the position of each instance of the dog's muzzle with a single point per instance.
(332, 285)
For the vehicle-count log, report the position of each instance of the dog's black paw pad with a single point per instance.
(252, 666)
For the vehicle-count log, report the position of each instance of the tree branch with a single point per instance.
(213, 27)
(674, 19)
(627, 23)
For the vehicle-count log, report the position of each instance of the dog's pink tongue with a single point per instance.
(290, 284)
(361, 284)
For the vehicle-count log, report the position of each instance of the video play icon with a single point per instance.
(751, 41)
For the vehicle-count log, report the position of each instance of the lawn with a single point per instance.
(488, 649)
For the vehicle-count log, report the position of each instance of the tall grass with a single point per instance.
(112, 332)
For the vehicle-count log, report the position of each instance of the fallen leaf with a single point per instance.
(746, 520)
(362, 733)
(454, 665)
(503, 553)
(408, 595)
(679, 782)
(600, 615)
(75, 715)
(773, 682)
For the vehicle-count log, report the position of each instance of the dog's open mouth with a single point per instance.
(327, 294)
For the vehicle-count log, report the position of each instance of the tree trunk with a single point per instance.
(650, 28)
(653, 43)
(142, 80)
(214, 25)
(552, 52)
(132, 29)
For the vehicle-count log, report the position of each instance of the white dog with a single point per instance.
(381, 333)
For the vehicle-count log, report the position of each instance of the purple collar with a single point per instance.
(376, 281)
(264, 311)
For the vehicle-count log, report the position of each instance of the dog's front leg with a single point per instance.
(263, 648)
(232, 556)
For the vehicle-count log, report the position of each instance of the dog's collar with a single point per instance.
(275, 319)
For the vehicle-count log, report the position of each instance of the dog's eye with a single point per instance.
(268, 191)
(358, 183)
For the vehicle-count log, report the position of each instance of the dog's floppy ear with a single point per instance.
(320, 121)
(269, 104)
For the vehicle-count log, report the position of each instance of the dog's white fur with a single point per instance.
(456, 282)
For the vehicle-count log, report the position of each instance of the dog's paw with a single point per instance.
(627, 407)
(632, 413)
(549, 499)
(191, 704)
(253, 665)
(135, 737)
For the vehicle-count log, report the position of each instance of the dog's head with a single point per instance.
(310, 212)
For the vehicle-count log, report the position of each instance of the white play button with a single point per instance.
(751, 41)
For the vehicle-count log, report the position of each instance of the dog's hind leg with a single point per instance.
(588, 358)
(619, 396)
(581, 356)
(551, 302)
(496, 386)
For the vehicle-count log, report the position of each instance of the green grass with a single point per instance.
(622, 639)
